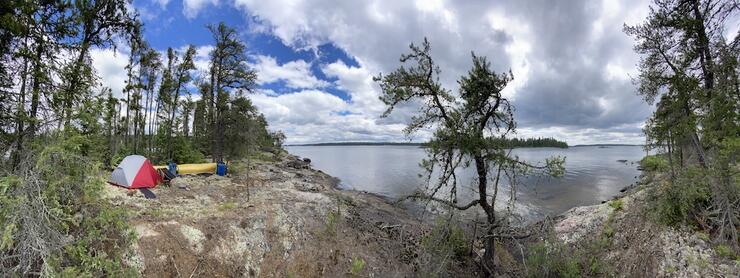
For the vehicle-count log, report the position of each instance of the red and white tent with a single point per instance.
(135, 171)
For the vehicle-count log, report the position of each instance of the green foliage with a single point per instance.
(82, 234)
(654, 163)
(184, 151)
(358, 264)
(332, 220)
(617, 204)
(691, 74)
(683, 200)
(470, 128)
(725, 251)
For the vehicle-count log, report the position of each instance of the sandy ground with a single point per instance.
(279, 219)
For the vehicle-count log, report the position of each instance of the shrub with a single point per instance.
(654, 163)
(681, 201)
(54, 220)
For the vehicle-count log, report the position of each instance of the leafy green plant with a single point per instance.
(358, 264)
(654, 163)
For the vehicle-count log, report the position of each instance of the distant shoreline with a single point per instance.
(422, 144)
(358, 144)
(608, 145)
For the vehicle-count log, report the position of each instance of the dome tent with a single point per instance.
(135, 172)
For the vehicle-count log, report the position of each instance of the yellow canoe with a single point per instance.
(199, 168)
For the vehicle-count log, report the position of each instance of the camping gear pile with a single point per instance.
(136, 172)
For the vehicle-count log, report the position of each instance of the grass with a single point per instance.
(358, 264)
(725, 251)
(702, 236)
(226, 206)
(617, 204)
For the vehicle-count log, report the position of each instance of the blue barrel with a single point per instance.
(172, 167)
(221, 169)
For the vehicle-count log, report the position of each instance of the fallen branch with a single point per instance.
(444, 202)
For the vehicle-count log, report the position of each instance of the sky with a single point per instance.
(572, 64)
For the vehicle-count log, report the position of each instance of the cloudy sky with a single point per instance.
(315, 59)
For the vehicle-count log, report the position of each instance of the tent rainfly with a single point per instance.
(135, 172)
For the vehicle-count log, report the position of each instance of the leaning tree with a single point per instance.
(467, 131)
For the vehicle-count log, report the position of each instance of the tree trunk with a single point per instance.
(20, 116)
(487, 263)
(214, 110)
(36, 91)
(173, 111)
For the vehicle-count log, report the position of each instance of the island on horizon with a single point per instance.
(509, 143)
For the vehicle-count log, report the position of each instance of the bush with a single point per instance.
(654, 163)
(54, 220)
(683, 200)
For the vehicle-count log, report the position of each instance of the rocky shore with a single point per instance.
(279, 217)
(271, 218)
(635, 246)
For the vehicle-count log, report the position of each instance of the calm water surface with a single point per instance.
(592, 175)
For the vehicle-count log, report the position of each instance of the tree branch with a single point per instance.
(442, 201)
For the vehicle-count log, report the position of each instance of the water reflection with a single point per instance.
(592, 174)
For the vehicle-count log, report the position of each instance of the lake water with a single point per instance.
(592, 174)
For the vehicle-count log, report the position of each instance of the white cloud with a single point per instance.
(191, 8)
(202, 58)
(296, 74)
(111, 68)
(571, 64)
(162, 3)
(315, 116)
